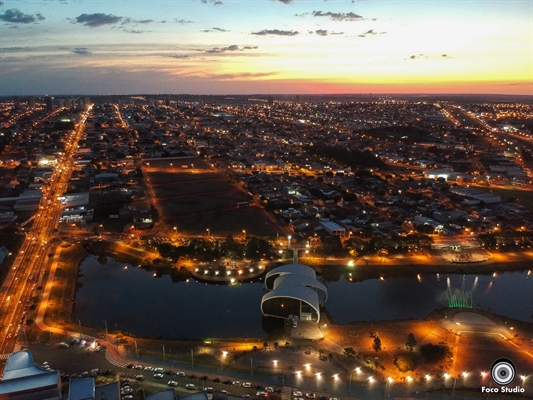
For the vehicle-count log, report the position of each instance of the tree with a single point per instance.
(377, 344)
(320, 352)
(411, 342)
(349, 352)
(330, 357)
(405, 362)
(434, 353)
(265, 345)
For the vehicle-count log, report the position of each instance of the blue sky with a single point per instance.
(265, 46)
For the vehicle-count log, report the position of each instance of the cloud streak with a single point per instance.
(97, 19)
(277, 32)
(16, 16)
(243, 75)
(349, 16)
(82, 51)
(233, 47)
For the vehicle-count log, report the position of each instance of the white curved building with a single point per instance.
(293, 292)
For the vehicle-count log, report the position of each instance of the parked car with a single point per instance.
(190, 386)
(209, 389)
(246, 384)
(310, 395)
(159, 376)
(297, 393)
(172, 383)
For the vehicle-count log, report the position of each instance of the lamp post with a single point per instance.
(192, 358)
(244, 233)
(289, 241)
(208, 232)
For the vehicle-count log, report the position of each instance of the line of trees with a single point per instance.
(333, 246)
(206, 250)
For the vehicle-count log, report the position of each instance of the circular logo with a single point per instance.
(502, 371)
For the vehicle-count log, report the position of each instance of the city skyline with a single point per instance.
(271, 47)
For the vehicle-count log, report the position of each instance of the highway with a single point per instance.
(29, 266)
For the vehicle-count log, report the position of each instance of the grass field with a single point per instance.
(195, 201)
(522, 197)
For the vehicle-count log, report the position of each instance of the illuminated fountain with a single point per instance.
(457, 298)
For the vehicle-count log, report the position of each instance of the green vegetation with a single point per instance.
(522, 197)
(434, 353)
(207, 250)
(405, 362)
(505, 240)
(342, 155)
(411, 342)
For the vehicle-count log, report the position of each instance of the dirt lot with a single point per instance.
(195, 200)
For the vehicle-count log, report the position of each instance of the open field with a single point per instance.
(522, 197)
(201, 199)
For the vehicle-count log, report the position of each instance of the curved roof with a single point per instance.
(21, 373)
(299, 269)
(300, 280)
(298, 292)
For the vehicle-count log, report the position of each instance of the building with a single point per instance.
(85, 389)
(293, 293)
(332, 228)
(24, 380)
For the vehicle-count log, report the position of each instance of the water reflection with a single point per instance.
(131, 300)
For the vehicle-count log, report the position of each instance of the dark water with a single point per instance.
(132, 300)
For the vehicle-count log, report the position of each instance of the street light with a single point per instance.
(208, 232)
(244, 233)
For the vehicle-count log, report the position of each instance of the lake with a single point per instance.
(132, 300)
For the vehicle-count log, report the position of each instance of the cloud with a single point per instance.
(371, 32)
(215, 30)
(214, 2)
(16, 16)
(136, 21)
(97, 19)
(284, 1)
(349, 16)
(182, 21)
(1, 3)
(276, 32)
(180, 56)
(241, 75)
(322, 32)
(82, 51)
(233, 47)
(428, 56)
(137, 31)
